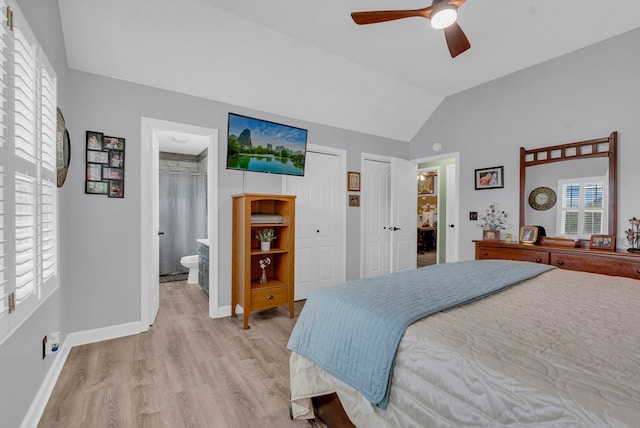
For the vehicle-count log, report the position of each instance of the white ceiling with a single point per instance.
(308, 60)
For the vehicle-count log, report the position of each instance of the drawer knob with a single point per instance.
(538, 260)
(560, 262)
(484, 253)
(638, 271)
(269, 297)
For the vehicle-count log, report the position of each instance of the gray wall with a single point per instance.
(101, 258)
(580, 96)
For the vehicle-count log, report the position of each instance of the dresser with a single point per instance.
(616, 263)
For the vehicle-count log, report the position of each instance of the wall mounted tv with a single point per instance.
(262, 146)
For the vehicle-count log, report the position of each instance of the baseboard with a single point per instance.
(42, 397)
(73, 339)
(225, 311)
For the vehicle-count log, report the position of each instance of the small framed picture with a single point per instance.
(95, 156)
(426, 184)
(602, 242)
(491, 235)
(96, 188)
(354, 200)
(94, 140)
(489, 178)
(116, 159)
(116, 189)
(109, 173)
(528, 234)
(113, 143)
(353, 179)
(94, 172)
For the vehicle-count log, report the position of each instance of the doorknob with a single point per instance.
(395, 228)
(160, 233)
(452, 226)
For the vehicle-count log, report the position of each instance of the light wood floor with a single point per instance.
(186, 371)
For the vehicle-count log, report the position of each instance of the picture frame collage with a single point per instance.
(105, 158)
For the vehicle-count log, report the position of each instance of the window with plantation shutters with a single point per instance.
(28, 193)
(582, 210)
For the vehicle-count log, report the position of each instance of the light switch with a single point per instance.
(473, 215)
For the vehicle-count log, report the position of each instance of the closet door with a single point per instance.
(319, 223)
(388, 216)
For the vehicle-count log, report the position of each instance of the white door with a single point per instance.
(319, 222)
(154, 280)
(452, 215)
(376, 218)
(389, 207)
(404, 208)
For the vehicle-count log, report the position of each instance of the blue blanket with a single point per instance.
(353, 330)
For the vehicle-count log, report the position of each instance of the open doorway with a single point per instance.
(174, 135)
(427, 230)
(445, 218)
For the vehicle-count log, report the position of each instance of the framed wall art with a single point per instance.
(353, 181)
(104, 165)
(489, 178)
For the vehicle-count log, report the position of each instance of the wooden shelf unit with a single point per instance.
(246, 290)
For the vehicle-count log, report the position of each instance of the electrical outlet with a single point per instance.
(44, 347)
(473, 215)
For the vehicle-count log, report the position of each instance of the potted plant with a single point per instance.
(493, 221)
(265, 236)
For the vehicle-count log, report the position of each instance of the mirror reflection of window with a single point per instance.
(582, 205)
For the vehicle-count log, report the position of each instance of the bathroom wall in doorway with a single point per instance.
(182, 208)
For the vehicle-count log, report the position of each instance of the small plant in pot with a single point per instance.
(265, 236)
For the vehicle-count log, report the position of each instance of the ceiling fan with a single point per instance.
(442, 13)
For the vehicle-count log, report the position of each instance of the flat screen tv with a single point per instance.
(262, 146)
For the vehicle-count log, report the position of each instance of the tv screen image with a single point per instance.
(262, 146)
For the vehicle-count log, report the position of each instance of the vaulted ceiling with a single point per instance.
(309, 61)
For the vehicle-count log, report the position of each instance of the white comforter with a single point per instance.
(561, 349)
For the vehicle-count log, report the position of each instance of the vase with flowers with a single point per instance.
(494, 219)
(265, 236)
(263, 263)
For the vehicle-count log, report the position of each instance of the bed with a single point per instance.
(561, 348)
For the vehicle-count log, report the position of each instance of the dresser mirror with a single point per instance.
(542, 169)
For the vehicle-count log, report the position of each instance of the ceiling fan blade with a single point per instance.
(374, 17)
(457, 42)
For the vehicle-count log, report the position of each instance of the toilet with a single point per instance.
(191, 263)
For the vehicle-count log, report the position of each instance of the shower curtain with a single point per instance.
(183, 217)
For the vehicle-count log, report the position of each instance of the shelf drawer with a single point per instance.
(269, 297)
(487, 253)
(597, 264)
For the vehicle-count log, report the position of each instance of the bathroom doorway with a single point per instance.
(176, 137)
(182, 203)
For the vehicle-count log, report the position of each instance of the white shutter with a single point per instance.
(4, 256)
(48, 233)
(5, 163)
(25, 230)
(48, 116)
(28, 194)
(25, 95)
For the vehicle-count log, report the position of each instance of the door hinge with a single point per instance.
(9, 18)
(12, 301)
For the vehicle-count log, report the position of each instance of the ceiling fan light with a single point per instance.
(444, 17)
